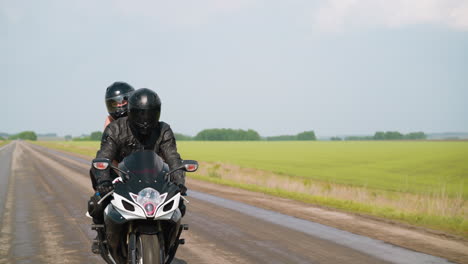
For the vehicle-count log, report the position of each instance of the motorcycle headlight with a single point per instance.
(149, 199)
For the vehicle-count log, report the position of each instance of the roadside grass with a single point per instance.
(456, 225)
(4, 142)
(439, 212)
(420, 183)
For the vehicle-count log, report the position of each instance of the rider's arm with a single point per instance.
(108, 150)
(168, 151)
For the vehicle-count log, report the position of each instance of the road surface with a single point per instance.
(43, 195)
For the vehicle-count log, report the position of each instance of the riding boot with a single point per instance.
(95, 245)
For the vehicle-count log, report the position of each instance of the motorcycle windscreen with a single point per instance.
(146, 169)
(144, 165)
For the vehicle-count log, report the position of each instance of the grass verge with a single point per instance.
(454, 225)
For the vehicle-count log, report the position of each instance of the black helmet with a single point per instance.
(144, 109)
(116, 99)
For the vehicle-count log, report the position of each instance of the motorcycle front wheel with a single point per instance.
(149, 250)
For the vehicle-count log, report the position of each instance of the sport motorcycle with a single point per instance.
(142, 221)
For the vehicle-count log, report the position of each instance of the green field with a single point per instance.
(416, 167)
(424, 183)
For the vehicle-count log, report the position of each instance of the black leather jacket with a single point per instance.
(118, 141)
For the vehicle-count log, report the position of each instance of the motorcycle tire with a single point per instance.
(149, 249)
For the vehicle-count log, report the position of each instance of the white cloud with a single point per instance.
(337, 15)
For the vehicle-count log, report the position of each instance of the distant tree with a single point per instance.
(415, 136)
(227, 134)
(1, 138)
(379, 135)
(68, 137)
(181, 137)
(393, 135)
(25, 135)
(95, 136)
(250, 135)
(306, 135)
(335, 139)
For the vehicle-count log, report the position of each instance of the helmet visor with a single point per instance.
(117, 102)
(144, 117)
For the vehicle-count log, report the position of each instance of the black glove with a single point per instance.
(183, 189)
(96, 210)
(104, 187)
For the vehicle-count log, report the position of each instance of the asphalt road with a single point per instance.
(43, 197)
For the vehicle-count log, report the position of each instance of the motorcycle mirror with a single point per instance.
(101, 164)
(190, 165)
(187, 165)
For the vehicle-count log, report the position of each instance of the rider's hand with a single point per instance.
(183, 189)
(104, 187)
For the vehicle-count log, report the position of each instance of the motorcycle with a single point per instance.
(142, 222)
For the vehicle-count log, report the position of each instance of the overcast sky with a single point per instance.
(279, 67)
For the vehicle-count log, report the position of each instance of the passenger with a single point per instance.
(116, 100)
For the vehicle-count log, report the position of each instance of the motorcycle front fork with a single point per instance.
(131, 242)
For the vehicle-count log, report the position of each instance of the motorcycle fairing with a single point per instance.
(117, 202)
(139, 212)
(162, 214)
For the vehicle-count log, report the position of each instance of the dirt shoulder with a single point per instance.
(418, 239)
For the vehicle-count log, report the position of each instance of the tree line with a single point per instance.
(25, 135)
(227, 134)
(216, 134)
(388, 135)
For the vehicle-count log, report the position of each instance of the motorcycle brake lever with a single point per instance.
(105, 196)
(185, 199)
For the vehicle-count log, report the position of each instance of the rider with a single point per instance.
(140, 130)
